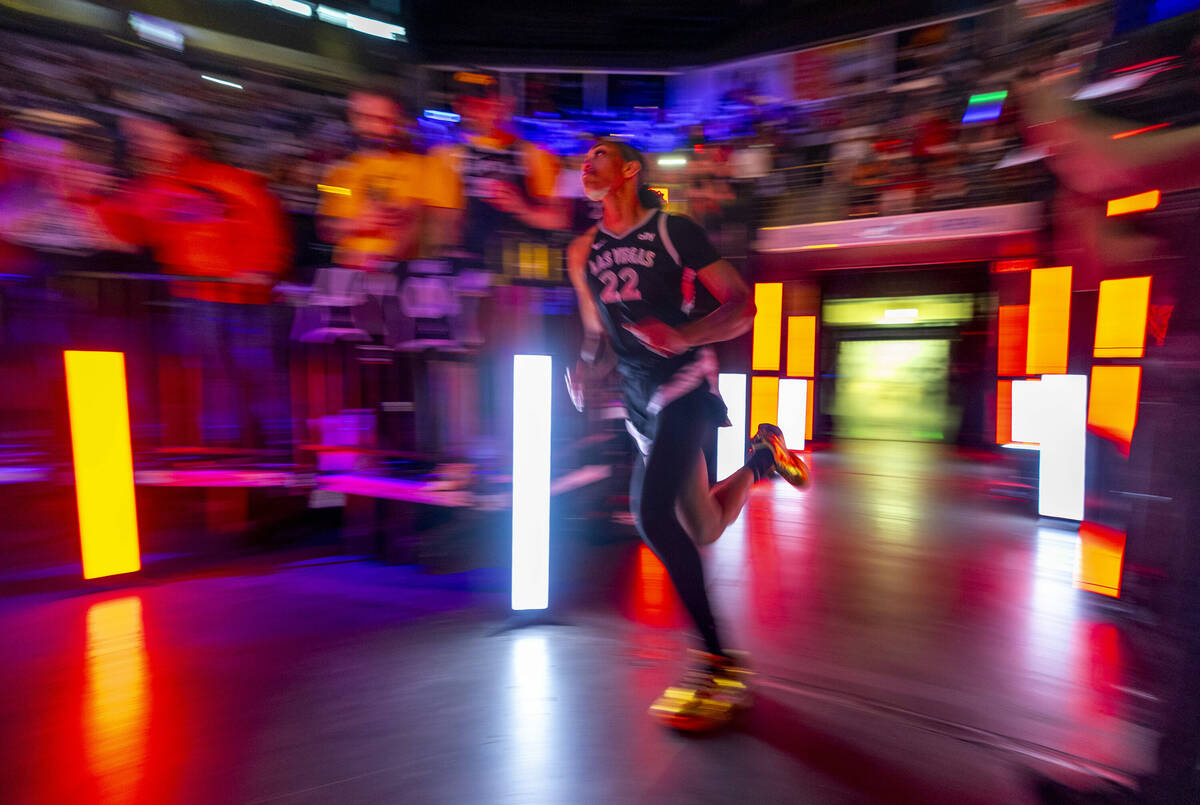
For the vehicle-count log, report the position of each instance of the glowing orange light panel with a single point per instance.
(1113, 402)
(1049, 320)
(1135, 132)
(808, 417)
(1013, 335)
(1142, 202)
(99, 411)
(802, 346)
(1018, 264)
(1101, 555)
(768, 326)
(1003, 411)
(1121, 318)
(764, 401)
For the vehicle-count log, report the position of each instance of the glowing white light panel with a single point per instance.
(793, 410)
(731, 442)
(531, 482)
(1026, 411)
(1063, 413)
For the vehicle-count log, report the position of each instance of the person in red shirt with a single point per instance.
(200, 218)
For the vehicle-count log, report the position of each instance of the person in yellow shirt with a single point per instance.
(374, 202)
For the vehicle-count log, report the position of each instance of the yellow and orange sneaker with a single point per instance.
(708, 696)
(788, 464)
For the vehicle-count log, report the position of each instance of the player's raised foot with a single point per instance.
(788, 464)
(708, 696)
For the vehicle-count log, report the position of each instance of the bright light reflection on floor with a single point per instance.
(116, 700)
(532, 716)
(1053, 602)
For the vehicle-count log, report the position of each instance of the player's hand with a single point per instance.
(576, 387)
(505, 197)
(659, 338)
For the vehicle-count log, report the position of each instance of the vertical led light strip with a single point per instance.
(531, 482)
(1026, 411)
(808, 416)
(1113, 403)
(99, 410)
(1121, 314)
(1004, 411)
(802, 346)
(731, 441)
(793, 411)
(1013, 330)
(1049, 320)
(1062, 402)
(764, 402)
(768, 327)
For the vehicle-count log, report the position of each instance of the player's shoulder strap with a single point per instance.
(664, 235)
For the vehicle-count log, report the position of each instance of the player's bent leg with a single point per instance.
(662, 485)
(698, 510)
(706, 512)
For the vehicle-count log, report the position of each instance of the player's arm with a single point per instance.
(735, 315)
(595, 360)
(589, 312)
(1087, 158)
(596, 355)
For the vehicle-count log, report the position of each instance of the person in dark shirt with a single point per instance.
(653, 289)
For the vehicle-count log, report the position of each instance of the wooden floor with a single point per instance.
(916, 640)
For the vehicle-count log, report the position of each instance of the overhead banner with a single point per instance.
(839, 69)
(1005, 219)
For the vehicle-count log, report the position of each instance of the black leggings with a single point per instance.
(683, 430)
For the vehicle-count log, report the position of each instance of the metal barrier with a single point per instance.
(821, 191)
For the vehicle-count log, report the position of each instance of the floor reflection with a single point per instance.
(116, 700)
(531, 756)
(653, 597)
(1053, 603)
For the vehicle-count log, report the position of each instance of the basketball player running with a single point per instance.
(654, 295)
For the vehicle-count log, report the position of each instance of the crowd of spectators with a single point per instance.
(340, 202)
(874, 150)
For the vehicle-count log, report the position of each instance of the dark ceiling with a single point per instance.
(632, 34)
(637, 33)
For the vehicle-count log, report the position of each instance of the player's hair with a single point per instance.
(648, 198)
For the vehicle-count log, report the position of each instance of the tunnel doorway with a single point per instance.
(893, 389)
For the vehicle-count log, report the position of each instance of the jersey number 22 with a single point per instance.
(619, 288)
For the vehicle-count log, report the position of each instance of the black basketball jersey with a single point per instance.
(650, 272)
(484, 223)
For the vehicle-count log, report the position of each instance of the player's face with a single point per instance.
(604, 170)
